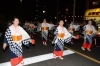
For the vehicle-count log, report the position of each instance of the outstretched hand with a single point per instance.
(4, 46)
(32, 41)
(76, 37)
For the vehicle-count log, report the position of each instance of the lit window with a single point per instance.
(95, 3)
(44, 11)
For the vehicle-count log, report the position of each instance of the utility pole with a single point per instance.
(87, 4)
(57, 10)
(74, 8)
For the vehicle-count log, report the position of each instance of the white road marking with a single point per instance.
(39, 58)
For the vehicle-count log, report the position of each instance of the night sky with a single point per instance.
(33, 10)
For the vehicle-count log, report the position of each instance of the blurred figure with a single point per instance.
(31, 28)
(71, 29)
(61, 36)
(14, 37)
(89, 32)
(66, 24)
(26, 26)
(44, 29)
(98, 36)
(38, 26)
(9, 23)
(51, 28)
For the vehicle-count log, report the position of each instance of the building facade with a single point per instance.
(92, 10)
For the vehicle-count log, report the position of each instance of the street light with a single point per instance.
(21, 1)
(95, 3)
(44, 11)
(55, 17)
(65, 20)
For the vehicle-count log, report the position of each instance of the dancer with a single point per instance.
(26, 26)
(31, 29)
(44, 29)
(61, 36)
(71, 30)
(89, 32)
(14, 37)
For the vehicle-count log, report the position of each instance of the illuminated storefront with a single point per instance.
(92, 14)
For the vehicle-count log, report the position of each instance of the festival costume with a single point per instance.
(14, 38)
(44, 30)
(61, 36)
(89, 32)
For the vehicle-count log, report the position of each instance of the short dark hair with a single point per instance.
(61, 20)
(15, 17)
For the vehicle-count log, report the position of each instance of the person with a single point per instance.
(98, 36)
(44, 29)
(66, 25)
(71, 30)
(9, 24)
(26, 26)
(89, 32)
(51, 27)
(15, 35)
(31, 29)
(61, 36)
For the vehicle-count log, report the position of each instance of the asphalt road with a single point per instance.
(40, 55)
